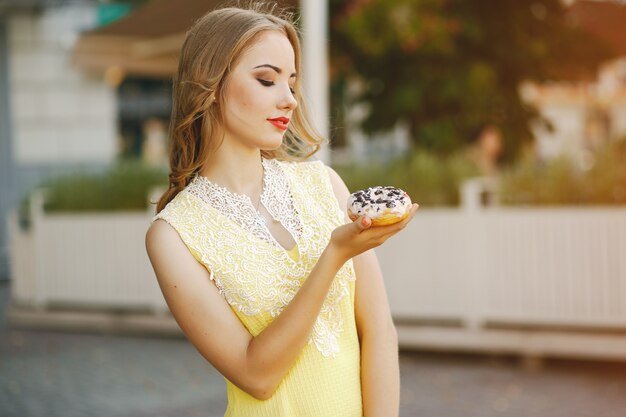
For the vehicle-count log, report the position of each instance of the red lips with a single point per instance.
(280, 122)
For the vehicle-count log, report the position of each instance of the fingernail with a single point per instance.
(364, 221)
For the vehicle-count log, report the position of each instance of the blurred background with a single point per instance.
(505, 121)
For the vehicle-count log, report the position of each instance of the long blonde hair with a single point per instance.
(211, 48)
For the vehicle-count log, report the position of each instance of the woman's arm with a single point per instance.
(257, 364)
(380, 371)
(254, 364)
(380, 368)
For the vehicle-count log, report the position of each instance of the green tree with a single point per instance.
(448, 66)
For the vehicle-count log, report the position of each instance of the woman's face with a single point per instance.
(259, 88)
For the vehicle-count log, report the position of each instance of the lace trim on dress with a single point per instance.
(275, 196)
(250, 268)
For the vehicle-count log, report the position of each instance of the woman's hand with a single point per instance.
(354, 238)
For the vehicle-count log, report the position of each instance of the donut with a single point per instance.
(382, 204)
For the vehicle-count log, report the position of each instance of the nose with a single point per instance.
(288, 100)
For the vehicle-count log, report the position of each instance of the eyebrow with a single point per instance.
(278, 70)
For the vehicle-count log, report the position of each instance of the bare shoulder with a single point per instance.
(162, 230)
(159, 232)
(161, 239)
(168, 252)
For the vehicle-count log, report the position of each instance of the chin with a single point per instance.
(272, 145)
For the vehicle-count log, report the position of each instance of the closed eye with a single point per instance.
(269, 83)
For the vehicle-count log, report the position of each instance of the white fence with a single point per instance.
(563, 267)
(538, 281)
(89, 261)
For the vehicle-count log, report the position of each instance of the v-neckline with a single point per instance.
(259, 216)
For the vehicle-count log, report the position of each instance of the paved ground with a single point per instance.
(52, 374)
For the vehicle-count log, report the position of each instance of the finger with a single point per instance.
(412, 211)
(391, 229)
(401, 223)
(363, 223)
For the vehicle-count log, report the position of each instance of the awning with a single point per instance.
(146, 42)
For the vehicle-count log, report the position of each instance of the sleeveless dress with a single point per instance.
(258, 278)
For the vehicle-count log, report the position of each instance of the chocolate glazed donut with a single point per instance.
(382, 204)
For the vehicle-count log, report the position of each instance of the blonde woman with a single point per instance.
(251, 245)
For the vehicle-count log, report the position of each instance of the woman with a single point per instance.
(257, 259)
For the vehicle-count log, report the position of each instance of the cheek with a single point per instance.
(239, 101)
(246, 97)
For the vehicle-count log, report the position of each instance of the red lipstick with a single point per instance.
(280, 122)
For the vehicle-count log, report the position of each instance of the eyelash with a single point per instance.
(268, 83)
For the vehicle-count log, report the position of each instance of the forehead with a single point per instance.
(269, 47)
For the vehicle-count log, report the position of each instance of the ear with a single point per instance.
(213, 98)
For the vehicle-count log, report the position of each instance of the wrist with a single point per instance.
(334, 256)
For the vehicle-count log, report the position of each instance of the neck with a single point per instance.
(240, 172)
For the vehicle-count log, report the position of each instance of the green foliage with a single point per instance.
(562, 182)
(124, 187)
(433, 180)
(429, 179)
(447, 66)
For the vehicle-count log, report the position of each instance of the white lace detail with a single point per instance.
(276, 198)
(252, 271)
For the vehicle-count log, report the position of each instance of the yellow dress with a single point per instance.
(258, 278)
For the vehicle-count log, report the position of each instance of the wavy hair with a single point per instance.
(211, 48)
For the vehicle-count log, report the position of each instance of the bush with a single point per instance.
(429, 180)
(562, 182)
(125, 186)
